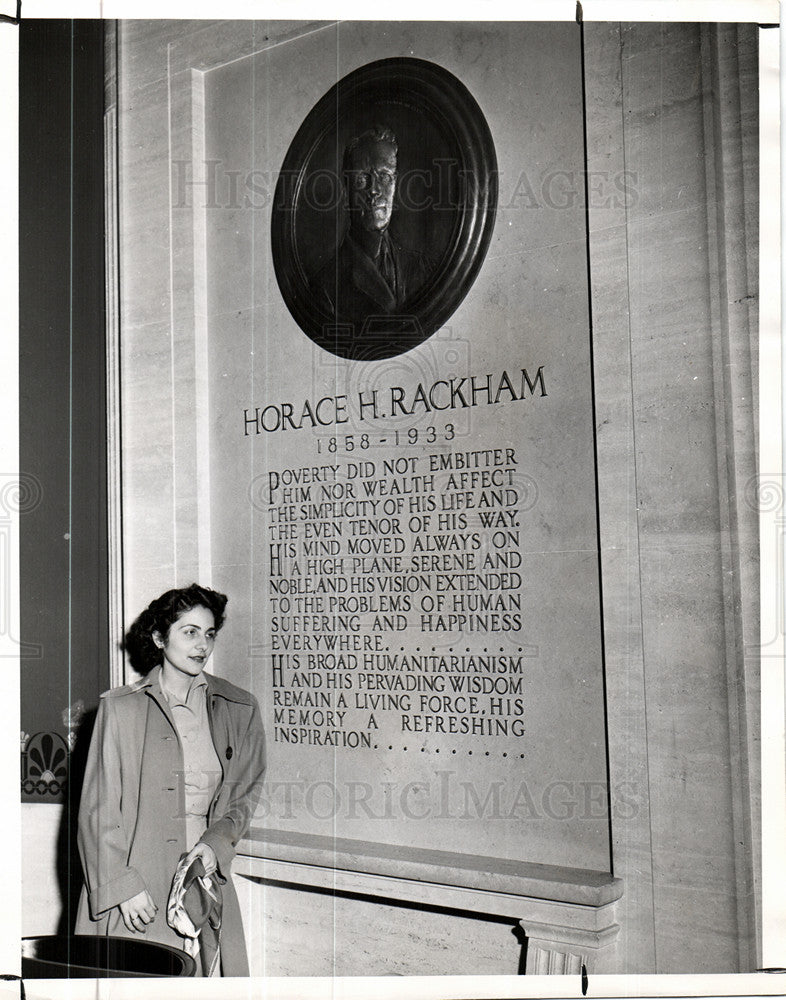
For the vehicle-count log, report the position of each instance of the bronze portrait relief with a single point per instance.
(384, 209)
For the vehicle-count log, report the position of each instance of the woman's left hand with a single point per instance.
(206, 853)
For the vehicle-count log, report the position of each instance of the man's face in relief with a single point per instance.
(371, 184)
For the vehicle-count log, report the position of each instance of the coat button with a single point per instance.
(228, 753)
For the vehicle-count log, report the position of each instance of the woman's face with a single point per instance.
(190, 641)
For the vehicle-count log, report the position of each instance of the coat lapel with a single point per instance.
(219, 731)
(367, 279)
(152, 685)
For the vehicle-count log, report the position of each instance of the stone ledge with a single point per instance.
(575, 886)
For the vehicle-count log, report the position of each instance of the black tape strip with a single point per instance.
(13, 20)
(15, 979)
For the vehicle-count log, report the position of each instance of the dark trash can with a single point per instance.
(87, 956)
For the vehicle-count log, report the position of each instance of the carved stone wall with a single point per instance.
(671, 122)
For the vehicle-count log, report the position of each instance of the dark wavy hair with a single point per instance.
(161, 614)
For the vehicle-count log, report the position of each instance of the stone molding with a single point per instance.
(562, 937)
(113, 367)
(519, 879)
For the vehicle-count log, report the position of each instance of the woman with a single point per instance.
(175, 766)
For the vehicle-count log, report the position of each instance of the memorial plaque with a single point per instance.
(433, 211)
(403, 501)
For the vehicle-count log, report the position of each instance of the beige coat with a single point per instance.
(132, 828)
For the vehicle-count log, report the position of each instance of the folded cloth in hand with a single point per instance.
(194, 911)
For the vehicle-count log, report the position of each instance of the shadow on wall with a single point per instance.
(516, 930)
(69, 867)
(521, 937)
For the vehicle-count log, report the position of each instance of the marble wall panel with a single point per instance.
(626, 702)
(143, 47)
(535, 252)
(669, 714)
(741, 41)
(662, 88)
(730, 61)
(41, 898)
(144, 196)
(696, 930)
(239, 186)
(148, 489)
(318, 934)
(680, 488)
(208, 44)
